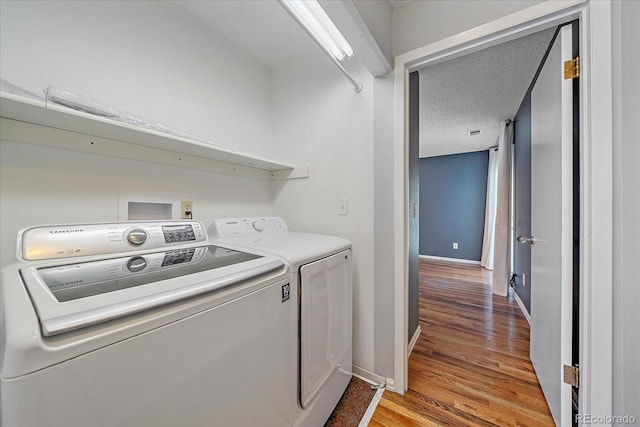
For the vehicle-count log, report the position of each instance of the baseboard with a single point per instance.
(521, 304)
(369, 377)
(414, 339)
(458, 260)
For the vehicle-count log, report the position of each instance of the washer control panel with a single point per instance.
(66, 241)
(179, 233)
(238, 227)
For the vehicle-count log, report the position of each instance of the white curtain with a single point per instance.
(495, 251)
(489, 237)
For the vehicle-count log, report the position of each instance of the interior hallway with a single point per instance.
(470, 366)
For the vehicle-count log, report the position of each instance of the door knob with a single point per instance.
(526, 239)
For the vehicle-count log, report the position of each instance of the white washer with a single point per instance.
(321, 283)
(143, 324)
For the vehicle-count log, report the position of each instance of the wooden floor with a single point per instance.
(470, 366)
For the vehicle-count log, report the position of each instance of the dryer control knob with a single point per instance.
(257, 226)
(136, 237)
(136, 264)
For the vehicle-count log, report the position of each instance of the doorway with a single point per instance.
(462, 102)
(596, 124)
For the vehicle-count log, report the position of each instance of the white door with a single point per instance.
(551, 227)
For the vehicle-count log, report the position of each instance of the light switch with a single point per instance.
(343, 207)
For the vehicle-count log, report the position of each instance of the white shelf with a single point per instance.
(36, 112)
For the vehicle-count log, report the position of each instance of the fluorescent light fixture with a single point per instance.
(315, 20)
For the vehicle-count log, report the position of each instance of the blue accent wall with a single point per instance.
(453, 192)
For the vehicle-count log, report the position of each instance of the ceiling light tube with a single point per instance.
(308, 18)
(309, 21)
(330, 27)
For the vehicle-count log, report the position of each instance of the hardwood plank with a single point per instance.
(401, 415)
(470, 366)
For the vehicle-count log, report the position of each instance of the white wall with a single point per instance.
(151, 59)
(148, 58)
(419, 23)
(626, 208)
(321, 122)
(42, 185)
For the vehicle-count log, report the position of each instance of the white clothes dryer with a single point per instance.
(321, 284)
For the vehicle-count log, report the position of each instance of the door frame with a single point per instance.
(596, 179)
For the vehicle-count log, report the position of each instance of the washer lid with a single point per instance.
(72, 296)
(84, 279)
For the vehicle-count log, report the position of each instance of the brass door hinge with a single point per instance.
(572, 375)
(572, 68)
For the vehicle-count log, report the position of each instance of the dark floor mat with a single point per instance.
(352, 405)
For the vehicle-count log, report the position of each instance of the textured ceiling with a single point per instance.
(476, 91)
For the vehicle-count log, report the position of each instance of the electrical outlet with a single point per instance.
(186, 209)
(455, 245)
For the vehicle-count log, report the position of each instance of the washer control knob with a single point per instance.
(135, 264)
(137, 236)
(257, 226)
